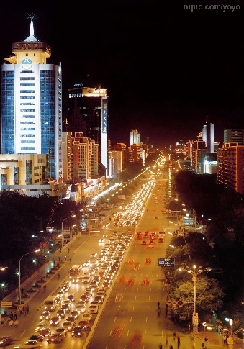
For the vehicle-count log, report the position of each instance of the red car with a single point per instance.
(4, 341)
(44, 331)
(56, 338)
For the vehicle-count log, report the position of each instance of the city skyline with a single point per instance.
(165, 69)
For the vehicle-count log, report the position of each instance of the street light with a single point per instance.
(26, 254)
(63, 220)
(3, 268)
(195, 271)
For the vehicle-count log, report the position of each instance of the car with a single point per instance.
(86, 317)
(99, 299)
(68, 325)
(55, 338)
(71, 298)
(61, 313)
(75, 314)
(36, 337)
(84, 297)
(44, 331)
(55, 321)
(81, 307)
(45, 315)
(85, 280)
(93, 284)
(95, 303)
(31, 342)
(83, 323)
(101, 292)
(78, 330)
(71, 318)
(93, 309)
(61, 330)
(4, 341)
(66, 308)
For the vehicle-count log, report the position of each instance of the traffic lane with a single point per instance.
(135, 309)
(135, 313)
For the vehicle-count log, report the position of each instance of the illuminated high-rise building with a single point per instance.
(234, 135)
(88, 113)
(31, 104)
(134, 137)
(208, 136)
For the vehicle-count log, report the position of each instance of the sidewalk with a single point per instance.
(39, 274)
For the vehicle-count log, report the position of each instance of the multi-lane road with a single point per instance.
(129, 316)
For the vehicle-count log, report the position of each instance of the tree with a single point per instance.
(208, 294)
(193, 248)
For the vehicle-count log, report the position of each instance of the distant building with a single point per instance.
(234, 135)
(115, 158)
(80, 157)
(123, 149)
(210, 163)
(88, 113)
(230, 158)
(133, 153)
(198, 152)
(208, 136)
(134, 137)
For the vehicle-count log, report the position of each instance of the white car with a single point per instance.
(85, 280)
(93, 309)
(86, 316)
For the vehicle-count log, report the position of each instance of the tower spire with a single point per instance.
(31, 28)
(32, 37)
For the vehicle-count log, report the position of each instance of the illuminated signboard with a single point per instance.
(26, 64)
(104, 116)
(166, 262)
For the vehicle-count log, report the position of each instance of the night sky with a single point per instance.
(165, 67)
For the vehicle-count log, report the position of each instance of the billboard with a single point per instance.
(166, 262)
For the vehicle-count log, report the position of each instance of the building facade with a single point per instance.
(80, 157)
(234, 135)
(208, 136)
(135, 137)
(88, 113)
(230, 160)
(31, 104)
(115, 163)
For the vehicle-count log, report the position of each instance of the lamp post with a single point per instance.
(26, 254)
(1, 269)
(195, 272)
(63, 220)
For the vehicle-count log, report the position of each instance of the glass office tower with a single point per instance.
(31, 104)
